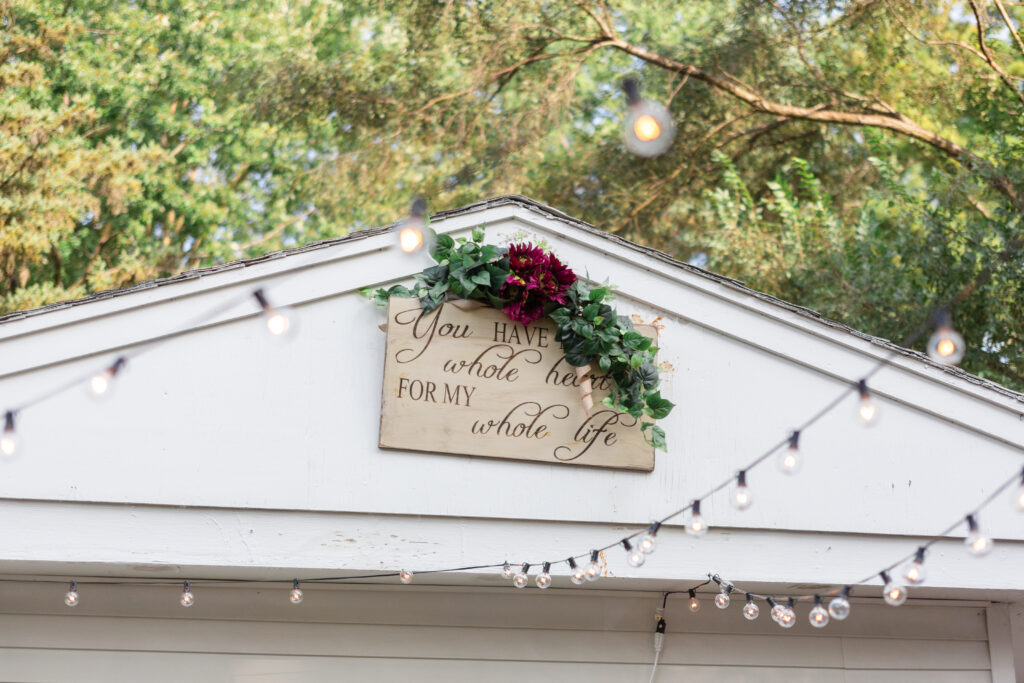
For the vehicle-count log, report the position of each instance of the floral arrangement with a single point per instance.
(526, 283)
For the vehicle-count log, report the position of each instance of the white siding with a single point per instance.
(390, 633)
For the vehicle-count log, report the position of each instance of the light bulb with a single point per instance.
(788, 618)
(696, 526)
(751, 610)
(187, 598)
(946, 346)
(818, 616)
(866, 409)
(578, 575)
(405, 576)
(741, 499)
(633, 555)
(10, 443)
(101, 384)
(648, 129)
(410, 237)
(277, 320)
(593, 569)
(694, 602)
(789, 460)
(777, 609)
(978, 544)
(71, 597)
(839, 607)
(646, 543)
(296, 593)
(522, 577)
(722, 599)
(893, 593)
(544, 578)
(914, 572)
(507, 571)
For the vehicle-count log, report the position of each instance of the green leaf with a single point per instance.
(636, 360)
(482, 278)
(598, 294)
(590, 312)
(605, 363)
(657, 438)
(658, 407)
(478, 234)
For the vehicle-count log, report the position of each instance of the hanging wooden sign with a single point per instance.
(467, 380)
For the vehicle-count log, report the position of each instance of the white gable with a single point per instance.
(230, 448)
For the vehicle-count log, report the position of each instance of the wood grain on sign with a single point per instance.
(472, 382)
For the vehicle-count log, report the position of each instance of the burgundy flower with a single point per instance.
(535, 283)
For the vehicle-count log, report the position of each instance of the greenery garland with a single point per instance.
(528, 282)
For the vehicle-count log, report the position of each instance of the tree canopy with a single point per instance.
(862, 158)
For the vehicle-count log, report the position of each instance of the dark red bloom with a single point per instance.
(536, 282)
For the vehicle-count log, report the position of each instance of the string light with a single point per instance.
(578, 575)
(277, 321)
(295, 596)
(741, 499)
(187, 598)
(646, 543)
(893, 593)
(9, 441)
(544, 578)
(507, 571)
(839, 607)
(978, 544)
(1018, 498)
(722, 599)
(946, 346)
(696, 526)
(410, 237)
(751, 610)
(787, 619)
(648, 129)
(405, 576)
(522, 577)
(777, 609)
(71, 597)
(789, 460)
(633, 555)
(100, 384)
(818, 616)
(914, 573)
(694, 602)
(593, 570)
(866, 409)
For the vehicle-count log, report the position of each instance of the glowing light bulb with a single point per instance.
(593, 571)
(741, 499)
(71, 597)
(646, 543)
(1018, 495)
(818, 616)
(578, 575)
(522, 577)
(10, 444)
(788, 617)
(722, 599)
(893, 593)
(187, 598)
(866, 409)
(277, 320)
(978, 544)
(405, 576)
(410, 237)
(295, 596)
(101, 383)
(648, 129)
(696, 526)
(946, 346)
(694, 603)
(507, 571)
(839, 607)
(789, 460)
(751, 610)
(633, 555)
(777, 609)
(914, 572)
(544, 578)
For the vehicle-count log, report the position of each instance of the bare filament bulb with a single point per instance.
(71, 597)
(544, 578)
(751, 610)
(522, 577)
(696, 526)
(187, 598)
(946, 345)
(818, 616)
(741, 499)
(978, 544)
(634, 557)
(914, 572)
(577, 574)
(839, 607)
(295, 596)
(9, 441)
(405, 576)
(410, 236)
(648, 129)
(694, 603)
(593, 569)
(867, 411)
(789, 460)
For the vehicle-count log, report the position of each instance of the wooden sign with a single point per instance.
(472, 382)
